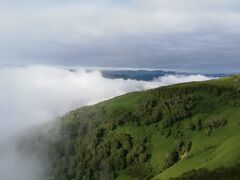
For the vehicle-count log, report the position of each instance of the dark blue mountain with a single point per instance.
(146, 75)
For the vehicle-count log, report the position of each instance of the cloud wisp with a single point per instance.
(31, 96)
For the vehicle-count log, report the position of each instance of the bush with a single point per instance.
(171, 159)
(222, 173)
(192, 126)
(177, 108)
(218, 122)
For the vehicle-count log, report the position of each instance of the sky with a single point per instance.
(200, 35)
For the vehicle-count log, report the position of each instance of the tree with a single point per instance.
(171, 158)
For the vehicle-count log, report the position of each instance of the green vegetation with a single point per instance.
(220, 173)
(191, 128)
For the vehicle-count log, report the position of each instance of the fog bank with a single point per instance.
(31, 96)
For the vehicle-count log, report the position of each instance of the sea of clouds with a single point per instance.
(33, 95)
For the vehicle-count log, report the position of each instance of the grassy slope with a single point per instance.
(221, 148)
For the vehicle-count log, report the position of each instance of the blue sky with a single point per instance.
(200, 35)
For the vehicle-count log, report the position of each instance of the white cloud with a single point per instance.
(175, 79)
(30, 95)
(14, 165)
(75, 20)
(34, 95)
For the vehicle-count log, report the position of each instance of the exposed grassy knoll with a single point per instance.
(159, 133)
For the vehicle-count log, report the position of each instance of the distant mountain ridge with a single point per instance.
(144, 74)
(148, 75)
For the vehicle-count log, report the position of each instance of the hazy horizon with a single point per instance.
(193, 70)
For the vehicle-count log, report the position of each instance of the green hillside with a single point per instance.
(159, 134)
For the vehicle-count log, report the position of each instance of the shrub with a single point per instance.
(221, 173)
(171, 158)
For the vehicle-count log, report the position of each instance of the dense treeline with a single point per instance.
(91, 144)
(208, 126)
(221, 173)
